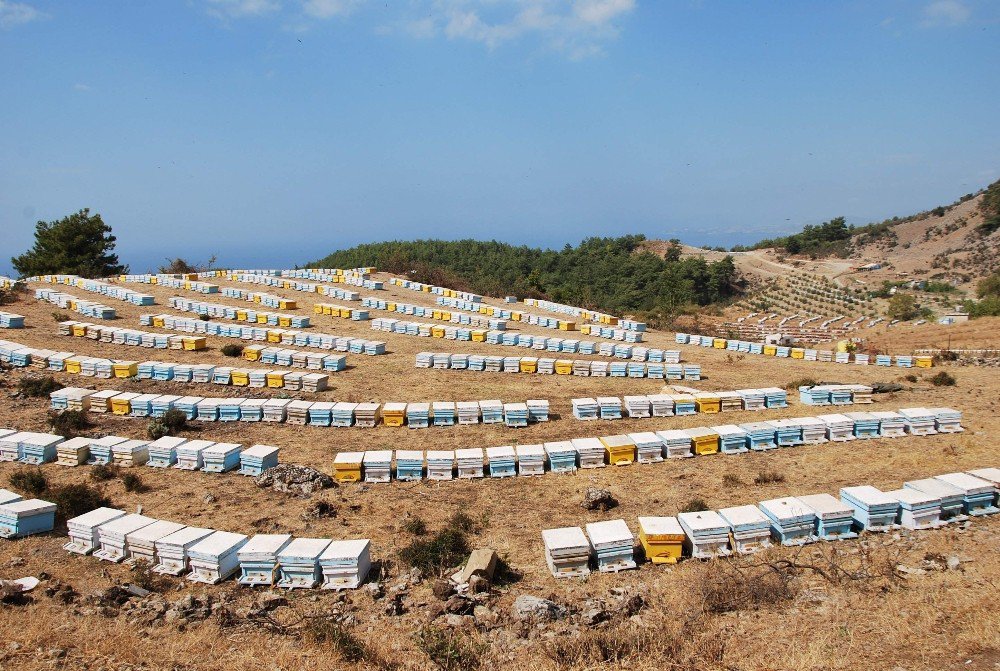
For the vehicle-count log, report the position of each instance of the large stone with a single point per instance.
(294, 479)
(596, 498)
(533, 608)
(482, 562)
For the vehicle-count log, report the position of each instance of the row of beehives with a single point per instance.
(164, 371)
(312, 413)
(97, 286)
(187, 455)
(134, 337)
(455, 317)
(70, 302)
(238, 314)
(805, 354)
(791, 521)
(210, 556)
(644, 447)
(631, 335)
(527, 341)
(687, 401)
(261, 334)
(548, 366)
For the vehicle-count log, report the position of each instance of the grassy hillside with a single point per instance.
(609, 274)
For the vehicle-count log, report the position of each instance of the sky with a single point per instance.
(271, 132)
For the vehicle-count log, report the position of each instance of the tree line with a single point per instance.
(609, 274)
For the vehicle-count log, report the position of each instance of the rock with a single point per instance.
(294, 479)
(415, 576)
(484, 616)
(135, 590)
(533, 608)
(594, 615)
(595, 499)
(442, 589)
(375, 590)
(394, 606)
(631, 605)
(482, 562)
(209, 498)
(954, 563)
(453, 620)
(478, 584)
(459, 605)
(886, 387)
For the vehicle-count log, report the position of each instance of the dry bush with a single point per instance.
(133, 483)
(732, 480)
(69, 423)
(768, 477)
(695, 505)
(612, 646)
(330, 632)
(35, 386)
(450, 650)
(103, 472)
(29, 480)
(737, 585)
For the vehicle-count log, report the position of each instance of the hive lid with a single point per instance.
(609, 531)
(868, 495)
(564, 538)
(185, 536)
(660, 526)
(218, 543)
(741, 515)
(913, 496)
(349, 549)
(155, 531)
(127, 524)
(94, 518)
(260, 451)
(349, 458)
(705, 520)
(825, 504)
(304, 548)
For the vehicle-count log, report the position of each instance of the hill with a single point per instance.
(610, 274)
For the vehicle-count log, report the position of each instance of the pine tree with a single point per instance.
(79, 244)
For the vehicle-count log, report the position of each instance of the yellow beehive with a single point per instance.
(393, 414)
(121, 406)
(79, 330)
(619, 450)
(719, 343)
(662, 539)
(567, 326)
(276, 380)
(516, 316)
(770, 350)
(564, 367)
(261, 318)
(256, 298)
(318, 308)
(797, 353)
(707, 402)
(391, 307)
(437, 331)
(585, 329)
(187, 284)
(284, 321)
(445, 315)
(72, 366)
(426, 289)
(239, 378)
(483, 310)
(193, 343)
(252, 353)
(319, 288)
(273, 336)
(528, 365)
(478, 336)
(923, 361)
(241, 315)
(124, 369)
(612, 321)
(158, 321)
(703, 441)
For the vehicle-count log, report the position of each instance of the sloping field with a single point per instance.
(846, 605)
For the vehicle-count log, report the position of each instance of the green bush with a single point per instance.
(943, 379)
(445, 549)
(695, 506)
(415, 526)
(73, 500)
(768, 477)
(69, 423)
(173, 422)
(103, 472)
(29, 480)
(37, 386)
(133, 483)
(232, 349)
(328, 631)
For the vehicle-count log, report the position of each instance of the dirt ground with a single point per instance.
(864, 614)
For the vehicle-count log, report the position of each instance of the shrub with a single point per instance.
(232, 349)
(801, 382)
(450, 650)
(69, 423)
(328, 631)
(73, 500)
(173, 422)
(62, 316)
(37, 386)
(415, 526)
(611, 647)
(735, 588)
(133, 483)
(768, 478)
(943, 379)
(911, 377)
(695, 506)
(143, 576)
(732, 480)
(103, 472)
(463, 522)
(444, 549)
(29, 480)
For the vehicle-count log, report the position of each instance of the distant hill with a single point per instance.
(614, 275)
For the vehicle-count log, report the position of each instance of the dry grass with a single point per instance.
(949, 613)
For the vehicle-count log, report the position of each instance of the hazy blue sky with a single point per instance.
(273, 131)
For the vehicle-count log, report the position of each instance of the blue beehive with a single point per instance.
(834, 519)
(760, 436)
(26, 517)
(257, 459)
(874, 510)
(792, 522)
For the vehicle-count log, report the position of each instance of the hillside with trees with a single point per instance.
(610, 274)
